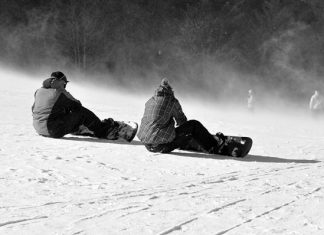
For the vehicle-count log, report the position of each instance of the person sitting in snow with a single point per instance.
(164, 127)
(57, 113)
(316, 104)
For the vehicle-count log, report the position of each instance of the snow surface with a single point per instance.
(81, 185)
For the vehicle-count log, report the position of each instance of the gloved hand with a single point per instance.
(109, 121)
(220, 138)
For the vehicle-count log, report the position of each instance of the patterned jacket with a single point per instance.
(51, 105)
(162, 112)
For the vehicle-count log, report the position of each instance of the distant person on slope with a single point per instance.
(164, 126)
(57, 113)
(251, 101)
(316, 104)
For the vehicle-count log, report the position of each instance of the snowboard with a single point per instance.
(233, 146)
(120, 131)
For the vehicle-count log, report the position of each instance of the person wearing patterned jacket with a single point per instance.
(164, 127)
(57, 113)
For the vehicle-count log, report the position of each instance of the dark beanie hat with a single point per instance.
(165, 82)
(164, 88)
(59, 76)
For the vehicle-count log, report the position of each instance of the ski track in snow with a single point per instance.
(80, 185)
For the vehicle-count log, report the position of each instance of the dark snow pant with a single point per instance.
(70, 122)
(191, 129)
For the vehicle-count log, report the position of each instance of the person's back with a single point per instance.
(45, 99)
(158, 124)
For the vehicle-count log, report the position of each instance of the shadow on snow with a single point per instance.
(248, 158)
(104, 141)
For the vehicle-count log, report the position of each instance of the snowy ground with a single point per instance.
(88, 186)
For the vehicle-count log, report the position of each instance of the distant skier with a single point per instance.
(164, 126)
(316, 104)
(57, 113)
(250, 101)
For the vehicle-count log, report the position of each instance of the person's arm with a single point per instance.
(319, 103)
(178, 114)
(67, 101)
(68, 95)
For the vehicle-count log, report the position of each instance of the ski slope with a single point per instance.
(81, 185)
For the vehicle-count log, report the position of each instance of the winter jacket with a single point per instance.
(162, 112)
(51, 105)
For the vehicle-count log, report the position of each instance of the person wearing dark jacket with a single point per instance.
(164, 127)
(57, 113)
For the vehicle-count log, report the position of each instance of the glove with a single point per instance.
(220, 138)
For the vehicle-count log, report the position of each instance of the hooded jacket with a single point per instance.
(51, 105)
(162, 113)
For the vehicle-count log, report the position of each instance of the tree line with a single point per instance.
(276, 44)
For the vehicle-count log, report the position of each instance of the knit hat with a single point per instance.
(165, 82)
(59, 76)
(164, 88)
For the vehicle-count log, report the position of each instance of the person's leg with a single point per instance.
(179, 141)
(193, 129)
(87, 118)
(190, 130)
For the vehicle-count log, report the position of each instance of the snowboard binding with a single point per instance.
(235, 146)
